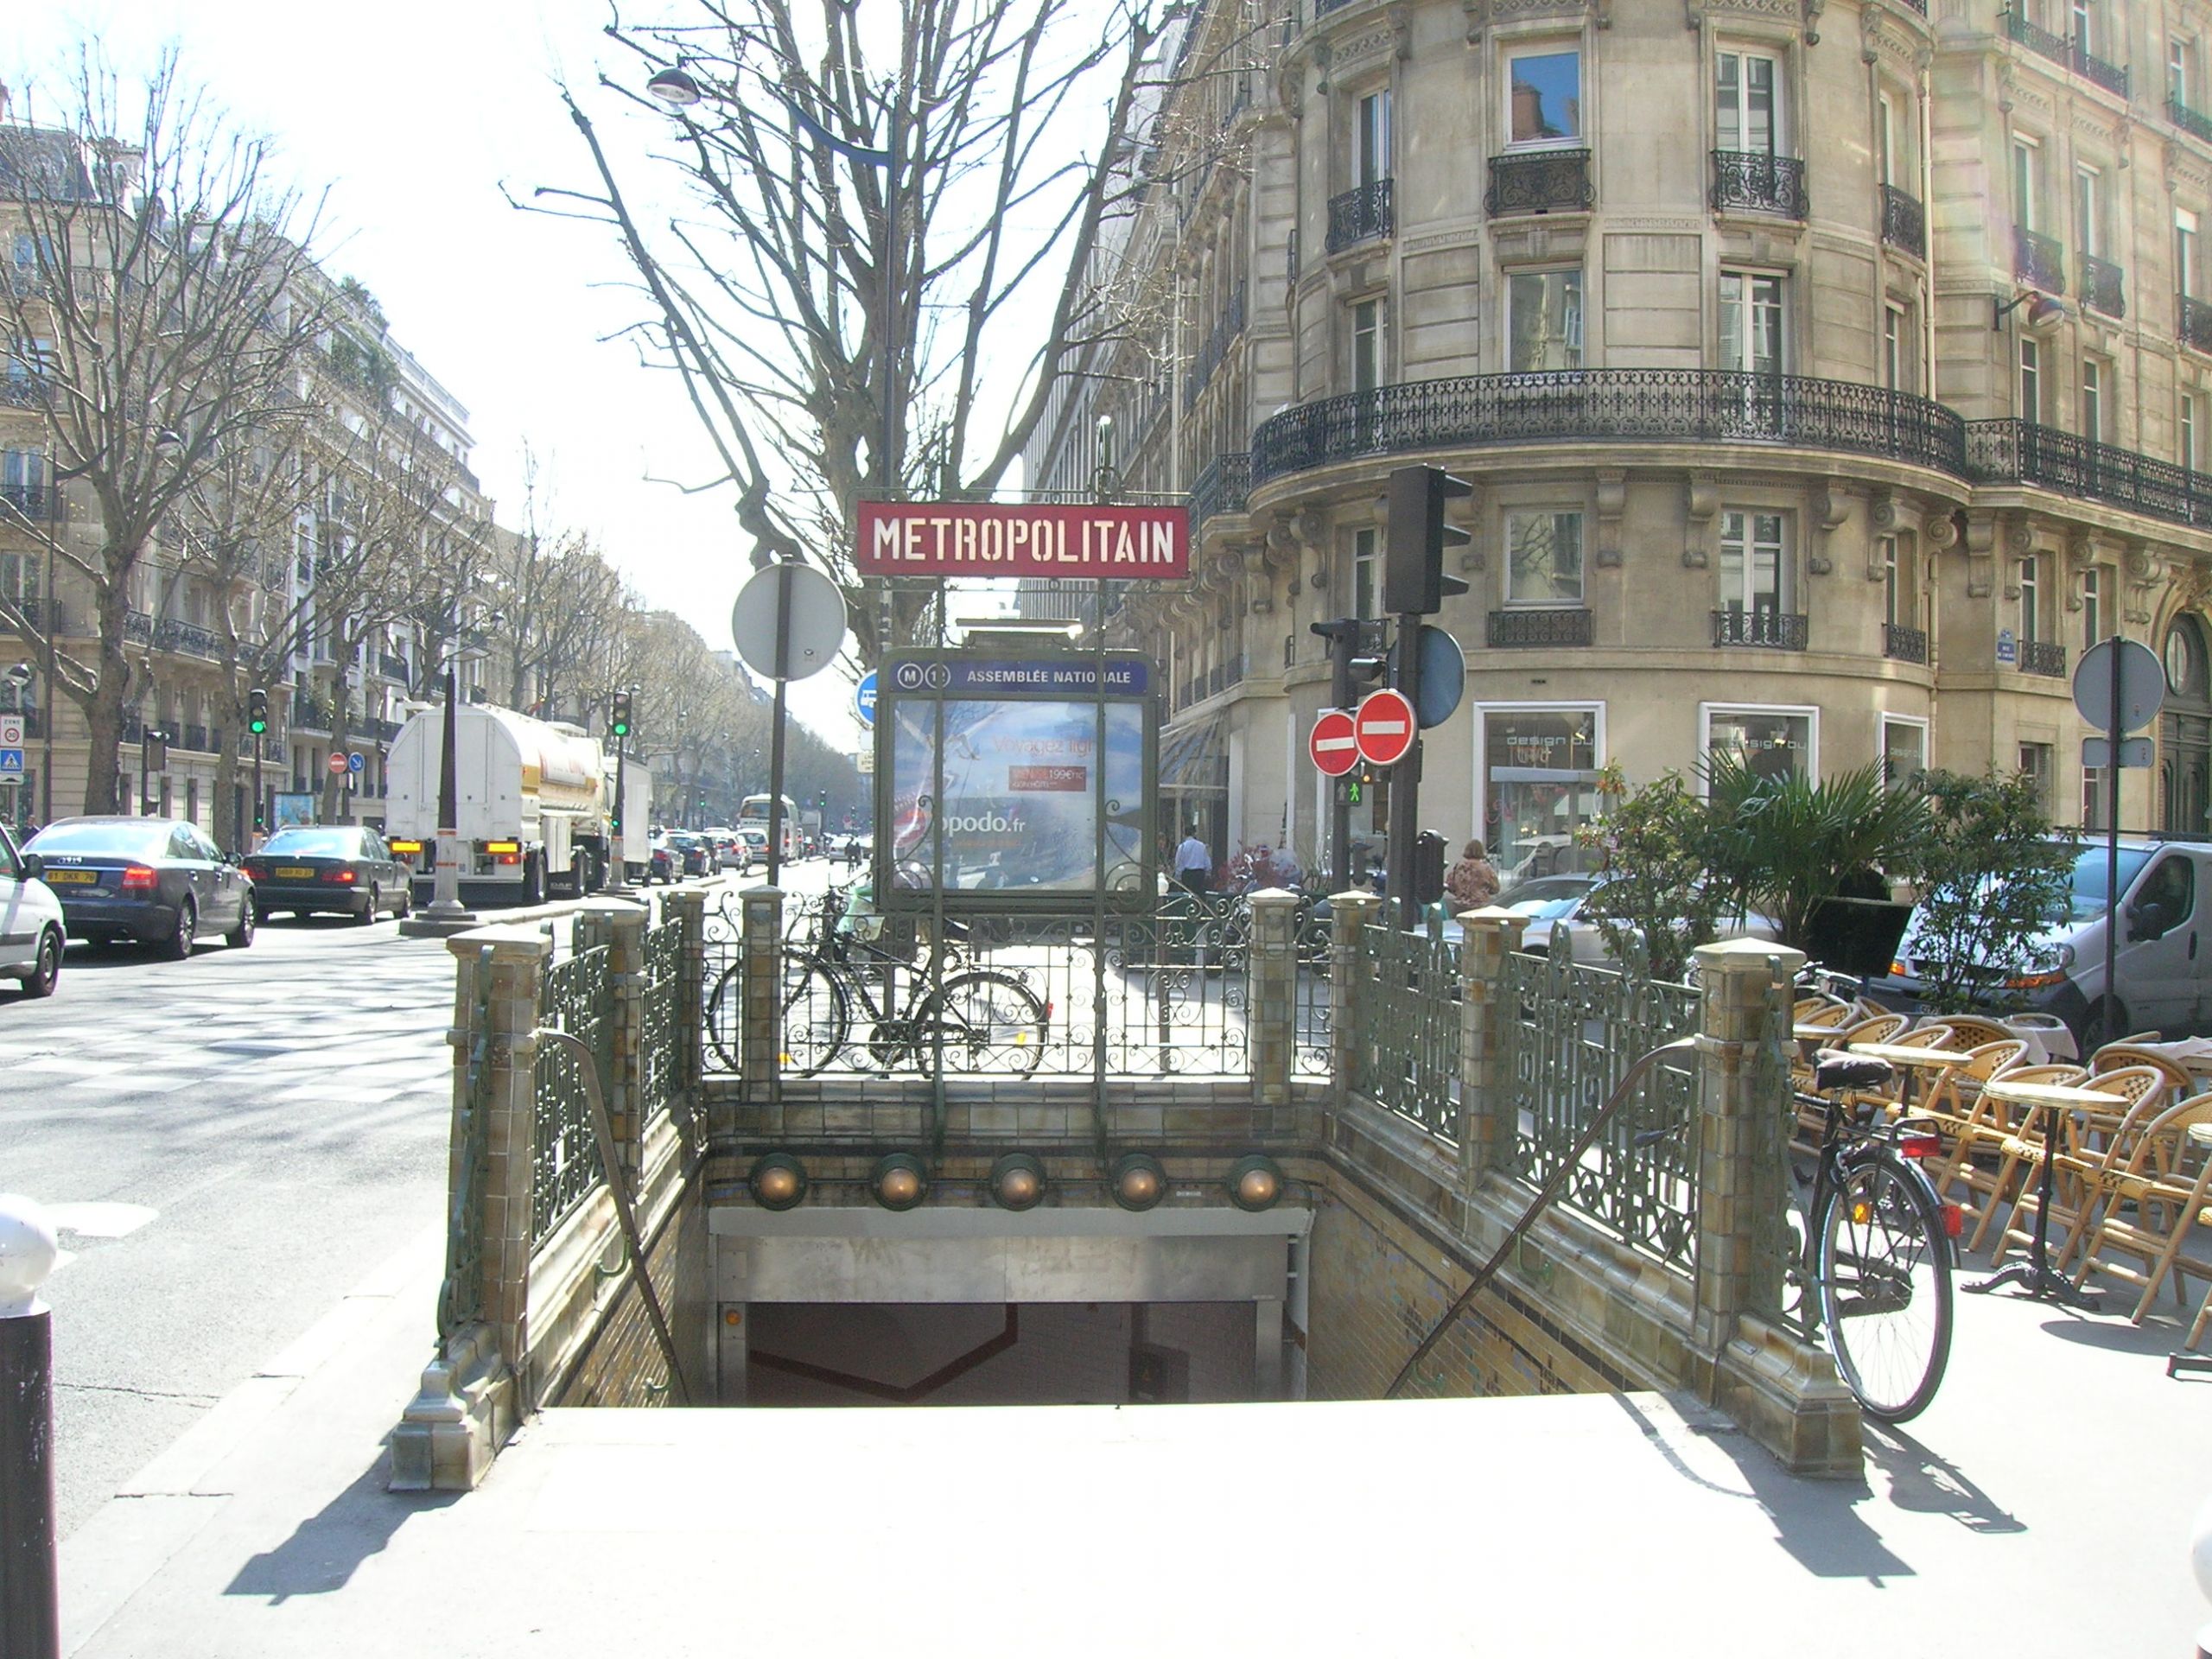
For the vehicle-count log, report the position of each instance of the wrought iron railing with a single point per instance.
(1221, 487)
(29, 501)
(660, 1064)
(564, 1159)
(1290, 257)
(1540, 182)
(1760, 629)
(2112, 77)
(138, 627)
(1407, 1057)
(2027, 453)
(49, 614)
(1527, 626)
(2195, 323)
(196, 739)
(1904, 222)
(24, 391)
(1761, 183)
(2038, 260)
(187, 637)
(311, 713)
(2192, 122)
(1359, 215)
(1615, 405)
(1226, 328)
(1570, 1033)
(393, 668)
(1905, 645)
(2104, 287)
(2043, 657)
(2037, 39)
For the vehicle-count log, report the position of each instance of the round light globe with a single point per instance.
(28, 1250)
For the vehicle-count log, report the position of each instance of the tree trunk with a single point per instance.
(104, 712)
(334, 783)
(229, 835)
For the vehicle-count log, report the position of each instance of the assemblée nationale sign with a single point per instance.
(970, 538)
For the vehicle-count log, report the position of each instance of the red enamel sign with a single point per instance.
(1384, 728)
(1334, 746)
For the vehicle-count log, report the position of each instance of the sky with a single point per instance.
(413, 117)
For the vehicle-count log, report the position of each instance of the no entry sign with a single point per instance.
(1384, 728)
(1334, 746)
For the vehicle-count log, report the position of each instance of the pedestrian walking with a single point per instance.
(1472, 882)
(1193, 863)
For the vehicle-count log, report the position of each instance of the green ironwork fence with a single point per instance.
(660, 1064)
(565, 1164)
(1570, 1032)
(1407, 1055)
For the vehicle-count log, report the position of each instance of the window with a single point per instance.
(2027, 184)
(1544, 321)
(2088, 31)
(1748, 94)
(2184, 251)
(1366, 344)
(2031, 380)
(1895, 331)
(1779, 743)
(1371, 141)
(1900, 604)
(31, 360)
(2093, 798)
(2089, 210)
(2036, 765)
(1544, 105)
(2185, 424)
(19, 576)
(1755, 576)
(2031, 615)
(1893, 128)
(2093, 606)
(2094, 375)
(1904, 750)
(1751, 322)
(22, 470)
(2181, 80)
(1543, 558)
(1365, 574)
(1540, 786)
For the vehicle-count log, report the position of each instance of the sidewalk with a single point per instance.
(2041, 1507)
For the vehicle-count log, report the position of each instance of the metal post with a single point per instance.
(2112, 853)
(620, 885)
(445, 893)
(30, 1624)
(1341, 653)
(776, 730)
(1405, 782)
(253, 840)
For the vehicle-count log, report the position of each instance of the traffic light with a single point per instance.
(821, 805)
(619, 720)
(1356, 657)
(256, 711)
(1413, 582)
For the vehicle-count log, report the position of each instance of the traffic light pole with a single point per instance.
(1340, 656)
(1405, 778)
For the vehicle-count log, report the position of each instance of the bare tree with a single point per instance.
(165, 315)
(872, 234)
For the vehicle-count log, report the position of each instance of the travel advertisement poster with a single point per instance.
(1022, 781)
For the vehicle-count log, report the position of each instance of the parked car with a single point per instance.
(32, 927)
(747, 848)
(1559, 902)
(344, 868)
(2162, 969)
(694, 855)
(661, 860)
(157, 880)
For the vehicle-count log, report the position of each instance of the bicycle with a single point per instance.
(987, 1020)
(1876, 1251)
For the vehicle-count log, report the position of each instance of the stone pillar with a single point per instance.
(1741, 1154)
(1271, 997)
(760, 969)
(623, 928)
(509, 1089)
(1486, 1116)
(1348, 913)
(689, 910)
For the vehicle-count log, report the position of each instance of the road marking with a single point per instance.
(98, 1218)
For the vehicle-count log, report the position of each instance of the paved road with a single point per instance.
(236, 1141)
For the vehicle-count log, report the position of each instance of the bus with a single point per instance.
(753, 814)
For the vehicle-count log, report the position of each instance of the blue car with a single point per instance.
(157, 880)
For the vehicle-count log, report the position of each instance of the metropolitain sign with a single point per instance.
(970, 538)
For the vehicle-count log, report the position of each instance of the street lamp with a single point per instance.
(446, 913)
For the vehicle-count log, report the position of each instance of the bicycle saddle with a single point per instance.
(1836, 1068)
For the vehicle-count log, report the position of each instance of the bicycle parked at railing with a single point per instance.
(984, 1019)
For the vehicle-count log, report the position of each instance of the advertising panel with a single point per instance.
(1017, 785)
(978, 539)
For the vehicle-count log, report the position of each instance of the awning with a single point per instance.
(1195, 760)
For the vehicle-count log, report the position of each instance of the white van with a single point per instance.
(2162, 969)
(32, 932)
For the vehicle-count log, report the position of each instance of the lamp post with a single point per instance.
(446, 914)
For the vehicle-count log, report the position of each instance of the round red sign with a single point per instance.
(1333, 745)
(336, 763)
(1384, 728)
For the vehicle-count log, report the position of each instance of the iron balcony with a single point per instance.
(1221, 487)
(1904, 223)
(2043, 657)
(2027, 453)
(1905, 645)
(2196, 326)
(1748, 179)
(1524, 626)
(1760, 629)
(2038, 261)
(2103, 287)
(1359, 215)
(1540, 182)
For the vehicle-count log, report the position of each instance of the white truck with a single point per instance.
(636, 831)
(533, 798)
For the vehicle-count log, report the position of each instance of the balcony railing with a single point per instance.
(1225, 330)
(1904, 223)
(1903, 644)
(196, 739)
(1682, 406)
(2104, 288)
(2043, 657)
(2037, 39)
(2023, 451)
(45, 613)
(393, 668)
(138, 627)
(1221, 487)
(34, 501)
(1515, 629)
(1746, 179)
(2196, 326)
(2192, 122)
(1761, 629)
(24, 391)
(1540, 182)
(273, 748)
(1359, 215)
(171, 634)
(2112, 77)
(2039, 261)
(310, 714)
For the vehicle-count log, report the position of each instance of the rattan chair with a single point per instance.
(2179, 1078)
(1972, 1030)
(1976, 1169)
(2086, 1141)
(2150, 1208)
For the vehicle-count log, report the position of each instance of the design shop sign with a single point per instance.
(964, 538)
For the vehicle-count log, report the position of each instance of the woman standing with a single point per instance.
(1472, 882)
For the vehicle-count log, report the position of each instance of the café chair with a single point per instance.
(2086, 1141)
(2151, 1207)
(1977, 1141)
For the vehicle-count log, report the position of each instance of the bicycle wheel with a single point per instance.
(1886, 1284)
(815, 1016)
(991, 1022)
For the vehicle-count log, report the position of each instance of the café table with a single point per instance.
(2052, 1099)
(1913, 1062)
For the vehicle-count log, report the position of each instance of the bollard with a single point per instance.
(31, 1626)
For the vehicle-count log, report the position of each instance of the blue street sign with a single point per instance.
(864, 698)
(353, 761)
(11, 763)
